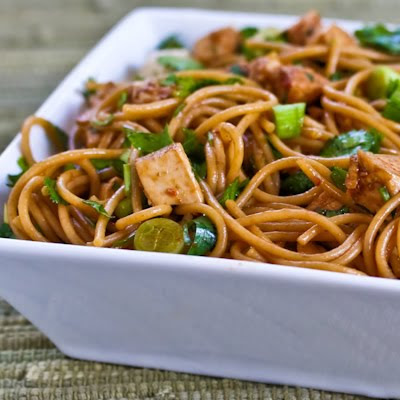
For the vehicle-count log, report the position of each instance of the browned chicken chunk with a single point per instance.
(334, 32)
(324, 201)
(149, 91)
(167, 177)
(306, 30)
(368, 174)
(292, 84)
(218, 48)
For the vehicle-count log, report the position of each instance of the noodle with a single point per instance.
(202, 154)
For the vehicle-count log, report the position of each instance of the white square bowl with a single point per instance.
(201, 315)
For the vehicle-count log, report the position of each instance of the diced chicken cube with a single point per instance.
(292, 84)
(217, 48)
(167, 177)
(305, 30)
(368, 173)
(324, 201)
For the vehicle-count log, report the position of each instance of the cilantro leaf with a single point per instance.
(179, 109)
(192, 145)
(199, 169)
(233, 190)
(380, 37)
(51, 186)
(12, 179)
(194, 149)
(250, 53)
(170, 42)
(69, 166)
(248, 31)
(123, 97)
(61, 136)
(238, 70)
(148, 142)
(338, 176)
(6, 232)
(98, 207)
(87, 92)
(349, 143)
(332, 213)
(336, 76)
(100, 164)
(185, 85)
(176, 63)
(295, 184)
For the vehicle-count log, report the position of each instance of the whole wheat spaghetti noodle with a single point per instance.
(269, 146)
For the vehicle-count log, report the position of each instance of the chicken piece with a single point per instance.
(324, 201)
(149, 91)
(264, 70)
(167, 177)
(334, 32)
(218, 48)
(306, 30)
(299, 84)
(292, 84)
(368, 173)
(94, 99)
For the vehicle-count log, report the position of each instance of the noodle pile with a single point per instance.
(72, 196)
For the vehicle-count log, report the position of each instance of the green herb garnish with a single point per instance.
(170, 42)
(186, 85)
(332, 213)
(100, 164)
(69, 166)
(51, 186)
(295, 184)
(199, 169)
(238, 70)
(338, 176)
(179, 109)
(380, 37)
(233, 190)
(98, 207)
(87, 93)
(248, 32)
(123, 98)
(6, 232)
(147, 142)
(193, 147)
(336, 76)
(349, 143)
(12, 179)
(62, 137)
